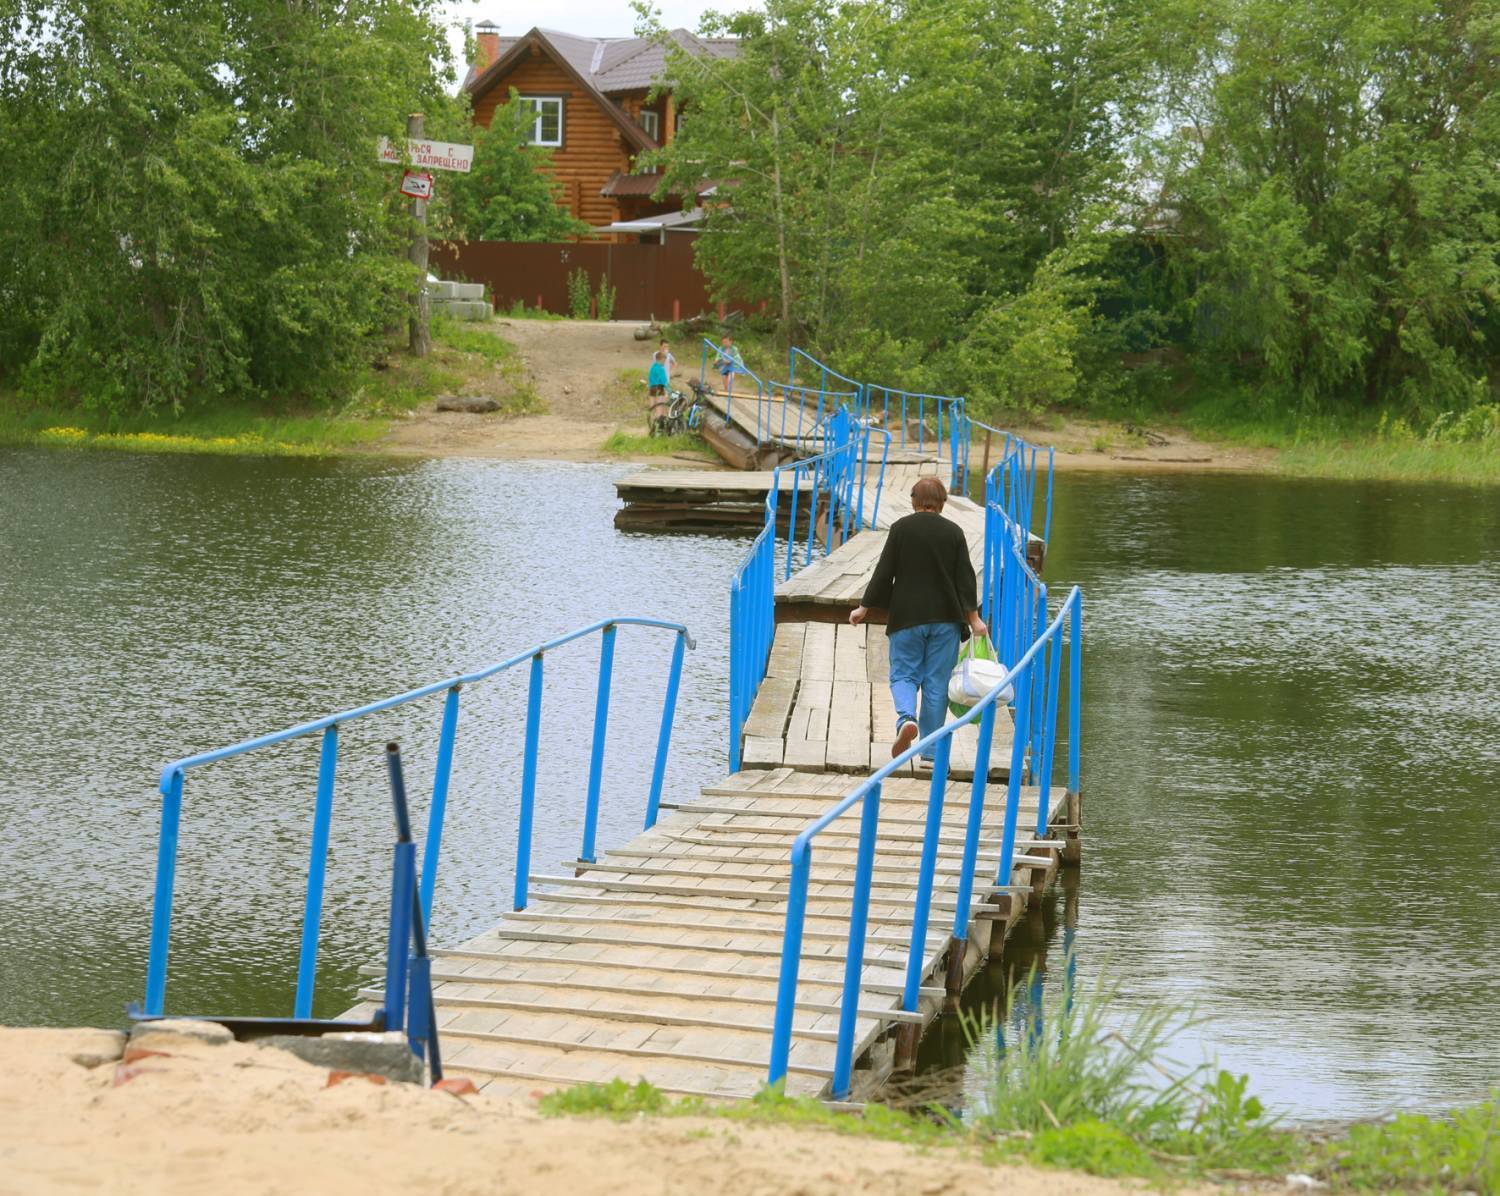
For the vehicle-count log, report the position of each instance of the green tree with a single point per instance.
(890, 171)
(1332, 172)
(510, 193)
(194, 209)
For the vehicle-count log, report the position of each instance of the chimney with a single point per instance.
(487, 36)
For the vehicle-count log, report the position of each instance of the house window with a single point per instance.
(547, 119)
(651, 122)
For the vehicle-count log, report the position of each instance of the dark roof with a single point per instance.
(621, 185)
(607, 65)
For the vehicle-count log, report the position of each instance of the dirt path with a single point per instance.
(240, 1119)
(575, 367)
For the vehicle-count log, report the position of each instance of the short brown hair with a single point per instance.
(928, 494)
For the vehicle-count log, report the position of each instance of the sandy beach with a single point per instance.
(194, 1117)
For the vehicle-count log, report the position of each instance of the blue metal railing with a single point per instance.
(173, 781)
(825, 372)
(907, 405)
(1042, 659)
(835, 509)
(813, 406)
(1012, 482)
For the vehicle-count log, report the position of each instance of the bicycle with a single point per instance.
(681, 416)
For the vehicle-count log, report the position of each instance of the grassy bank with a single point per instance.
(1082, 1094)
(1456, 1153)
(1450, 447)
(465, 359)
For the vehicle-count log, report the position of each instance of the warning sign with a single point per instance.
(416, 184)
(429, 155)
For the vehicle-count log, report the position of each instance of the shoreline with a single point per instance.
(177, 1108)
(430, 435)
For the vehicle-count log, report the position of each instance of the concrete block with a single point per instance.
(442, 290)
(177, 1031)
(463, 309)
(468, 290)
(386, 1055)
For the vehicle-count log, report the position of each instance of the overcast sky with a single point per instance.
(588, 18)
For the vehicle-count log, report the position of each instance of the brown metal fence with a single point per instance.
(658, 280)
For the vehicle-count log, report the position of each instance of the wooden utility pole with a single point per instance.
(421, 337)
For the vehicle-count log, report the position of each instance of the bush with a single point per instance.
(606, 300)
(580, 297)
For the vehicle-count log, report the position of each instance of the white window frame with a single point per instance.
(536, 102)
(653, 129)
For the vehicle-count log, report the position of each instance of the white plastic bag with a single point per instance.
(977, 673)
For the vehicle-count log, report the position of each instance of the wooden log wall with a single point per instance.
(593, 146)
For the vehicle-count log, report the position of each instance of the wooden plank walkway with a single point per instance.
(661, 961)
(826, 705)
(698, 499)
(775, 421)
(831, 586)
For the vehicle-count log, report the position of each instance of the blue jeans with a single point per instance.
(922, 659)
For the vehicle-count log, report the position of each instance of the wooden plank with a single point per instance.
(762, 752)
(772, 707)
(849, 726)
(818, 651)
(745, 972)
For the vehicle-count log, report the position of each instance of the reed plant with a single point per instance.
(1087, 1086)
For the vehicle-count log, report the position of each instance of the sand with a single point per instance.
(236, 1118)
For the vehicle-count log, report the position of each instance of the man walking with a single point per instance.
(925, 583)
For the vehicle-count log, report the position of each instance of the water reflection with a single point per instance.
(1290, 744)
(160, 605)
(1290, 758)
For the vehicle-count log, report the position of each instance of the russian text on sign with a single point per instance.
(429, 155)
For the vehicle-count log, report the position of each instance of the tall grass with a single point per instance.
(1082, 1084)
(1090, 1089)
(1449, 446)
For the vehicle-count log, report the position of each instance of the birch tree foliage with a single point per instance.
(195, 211)
(890, 170)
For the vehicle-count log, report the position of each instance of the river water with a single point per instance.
(1291, 745)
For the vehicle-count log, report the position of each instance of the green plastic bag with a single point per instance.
(977, 648)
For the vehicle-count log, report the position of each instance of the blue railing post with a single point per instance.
(1049, 734)
(791, 531)
(440, 777)
(1075, 692)
(1013, 786)
(528, 783)
(737, 634)
(398, 947)
(664, 739)
(596, 760)
(1047, 527)
(317, 866)
(1039, 677)
(791, 959)
(161, 905)
(917, 955)
(976, 822)
(854, 962)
